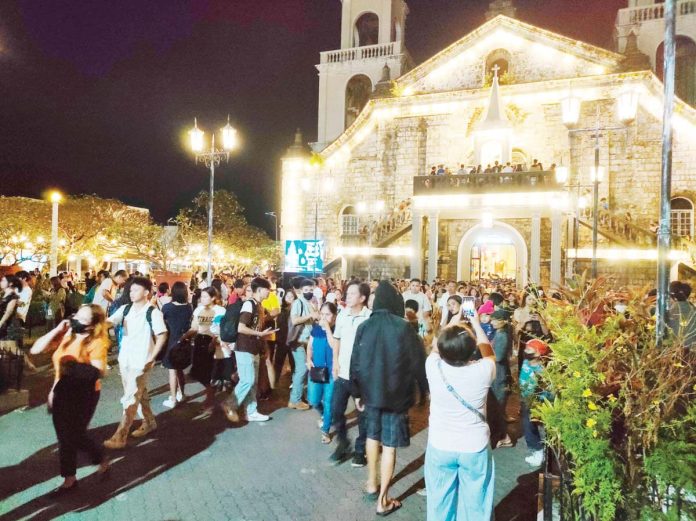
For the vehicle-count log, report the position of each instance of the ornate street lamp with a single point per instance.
(211, 159)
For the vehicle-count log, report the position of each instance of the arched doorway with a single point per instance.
(358, 93)
(685, 73)
(499, 250)
(366, 30)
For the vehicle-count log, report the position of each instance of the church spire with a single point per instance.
(495, 116)
(504, 7)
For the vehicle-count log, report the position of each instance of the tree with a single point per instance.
(25, 228)
(232, 234)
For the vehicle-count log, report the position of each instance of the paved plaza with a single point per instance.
(197, 467)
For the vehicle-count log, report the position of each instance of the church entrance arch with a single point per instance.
(498, 250)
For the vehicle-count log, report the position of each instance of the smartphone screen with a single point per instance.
(468, 306)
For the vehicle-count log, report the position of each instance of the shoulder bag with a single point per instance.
(459, 398)
(320, 374)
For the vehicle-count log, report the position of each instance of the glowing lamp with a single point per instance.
(561, 174)
(596, 175)
(487, 220)
(229, 136)
(361, 207)
(379, 206)
(627, 106)
(570, 111)
(56, 197)
(196, 136)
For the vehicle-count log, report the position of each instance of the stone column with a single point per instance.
(417, 245)
(556, 248)
(535, 250)
(433, 230)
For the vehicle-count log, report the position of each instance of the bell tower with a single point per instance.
(372, 36)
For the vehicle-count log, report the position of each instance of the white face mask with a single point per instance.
(620, 308)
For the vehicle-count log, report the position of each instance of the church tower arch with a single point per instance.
(358, 91)
(366, 30)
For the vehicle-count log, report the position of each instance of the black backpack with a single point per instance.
(230, 322)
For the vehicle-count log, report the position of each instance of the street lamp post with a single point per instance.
(321, 185)
(664, 231)
(373, 212)
(55, 198)
(627, 106)
(275, 220)
(211, 159)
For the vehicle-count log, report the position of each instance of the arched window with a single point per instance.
(349, 222)
(366, 31)
(502, 59)
(682, 217)
(519, 157)
(358, 93)
(685, 74)
(397, 31)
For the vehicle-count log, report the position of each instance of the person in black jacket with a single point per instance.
(387, 361)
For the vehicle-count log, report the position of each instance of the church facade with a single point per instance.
(484, 160)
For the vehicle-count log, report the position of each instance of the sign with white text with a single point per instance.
(304, 256)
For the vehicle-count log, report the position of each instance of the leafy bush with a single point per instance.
(621, 412)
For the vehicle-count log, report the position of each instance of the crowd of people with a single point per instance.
(386, 345)
(496, 168)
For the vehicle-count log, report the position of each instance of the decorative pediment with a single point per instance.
(523, 53)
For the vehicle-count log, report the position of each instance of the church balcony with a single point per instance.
(534, 181)
(382, 50)
(646, 13)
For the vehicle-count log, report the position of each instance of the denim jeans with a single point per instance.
(460, 485)
(299, 374)
(245, 390)
(319, 396)
(339, 404)
(531, 429)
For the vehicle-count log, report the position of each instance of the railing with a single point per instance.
(634, 15)
(382, 50)
(482, 183)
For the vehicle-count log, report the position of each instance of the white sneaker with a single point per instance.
(180, 397)
(257, 417)
(535, 459)
(169, 404)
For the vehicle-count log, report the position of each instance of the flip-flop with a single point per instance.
(394, 507)
(371, 496)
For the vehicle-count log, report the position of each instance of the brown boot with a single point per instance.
(117, 441)
(144, 429)
(120, 437)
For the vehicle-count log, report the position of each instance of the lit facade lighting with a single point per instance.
(570, 110)
(627, 106)
(196, 137)
(561, 174)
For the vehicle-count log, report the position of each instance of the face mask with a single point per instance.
(308, 295)
(77, 326)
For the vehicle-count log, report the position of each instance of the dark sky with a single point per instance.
(95, 95)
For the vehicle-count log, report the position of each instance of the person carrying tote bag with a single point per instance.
(320, 366)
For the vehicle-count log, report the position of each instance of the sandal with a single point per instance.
(394, 505)
(325, 438)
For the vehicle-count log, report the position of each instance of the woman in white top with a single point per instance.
(459, 468)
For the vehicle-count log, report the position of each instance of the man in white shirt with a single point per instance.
(414, 293)
(106, 292)
(24, 295)
(144, 335)
(451, 290)
(347, 323)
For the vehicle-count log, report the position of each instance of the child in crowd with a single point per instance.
(534, 352)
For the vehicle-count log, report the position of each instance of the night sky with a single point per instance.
(96, 95)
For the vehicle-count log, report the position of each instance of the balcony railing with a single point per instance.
(635, 15)
(534, 181)
(382, 50)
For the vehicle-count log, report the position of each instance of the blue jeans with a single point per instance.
(299, 374)
(245, 390)
(531, 429)
(319, 396)
(460, 484)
